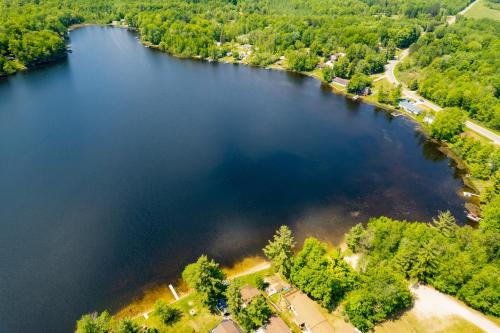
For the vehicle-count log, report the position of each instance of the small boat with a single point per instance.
(473, 217)
(355, 98)
(469, 194)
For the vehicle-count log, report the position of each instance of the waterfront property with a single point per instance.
(248, 293)
(307, 314)
(149, 159)
(410, 107)
(276, 325)
(227, 326)
(340, 81)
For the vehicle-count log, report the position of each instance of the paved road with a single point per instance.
(389, 74)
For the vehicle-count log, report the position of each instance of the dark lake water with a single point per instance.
(122, 164)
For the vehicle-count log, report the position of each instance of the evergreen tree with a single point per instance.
(280, 250)
(445, 223)
(207, 279)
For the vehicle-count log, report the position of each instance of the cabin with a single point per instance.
(410, 107)
(276, 325)
(248, 293)
(307, 314)
(340, 81)
(227, 326)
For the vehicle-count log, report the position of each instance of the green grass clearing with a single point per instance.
(480, 10)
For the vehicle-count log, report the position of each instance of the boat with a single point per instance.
(473, 217)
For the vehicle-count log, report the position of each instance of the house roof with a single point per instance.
(307, 312)
(340, 80)
(277, 325)
(248, 293)
(227, 326)
(410, 107)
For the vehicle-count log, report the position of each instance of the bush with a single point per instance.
(382, 293)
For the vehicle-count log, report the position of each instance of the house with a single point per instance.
(410, 107)
(227, 326)
(307, 314)
(366, 91)
(248, 293)
(341, 81)
(275, 285)
(276, 325)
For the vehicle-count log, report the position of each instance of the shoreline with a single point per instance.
(156, 290)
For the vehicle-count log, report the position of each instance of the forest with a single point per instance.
(457, 260)
(459, 66)
(33, 32)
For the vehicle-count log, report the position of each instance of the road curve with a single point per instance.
(405, 92)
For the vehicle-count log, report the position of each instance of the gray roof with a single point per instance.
(410, 107)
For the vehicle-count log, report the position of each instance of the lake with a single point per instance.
(122, 164)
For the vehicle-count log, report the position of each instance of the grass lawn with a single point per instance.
(480, 10)
(202, 321)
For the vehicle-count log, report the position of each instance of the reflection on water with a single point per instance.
(121, 165)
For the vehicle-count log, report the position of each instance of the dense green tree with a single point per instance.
(447, 124)
(381, 294)
(95, 323)
(328, 74)
(395, 95)
(207, 279)
(491, 215)
(280, 250)
(234, 300)
(167, 314)
(382, 96)
(128, 326)
(355, 237)
(457, 66)
(441, 254)
(324, 276)
(445, 223)
(358, 82)
(482, 291)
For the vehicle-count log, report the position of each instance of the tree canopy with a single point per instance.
(280, 250)
(207, 279)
